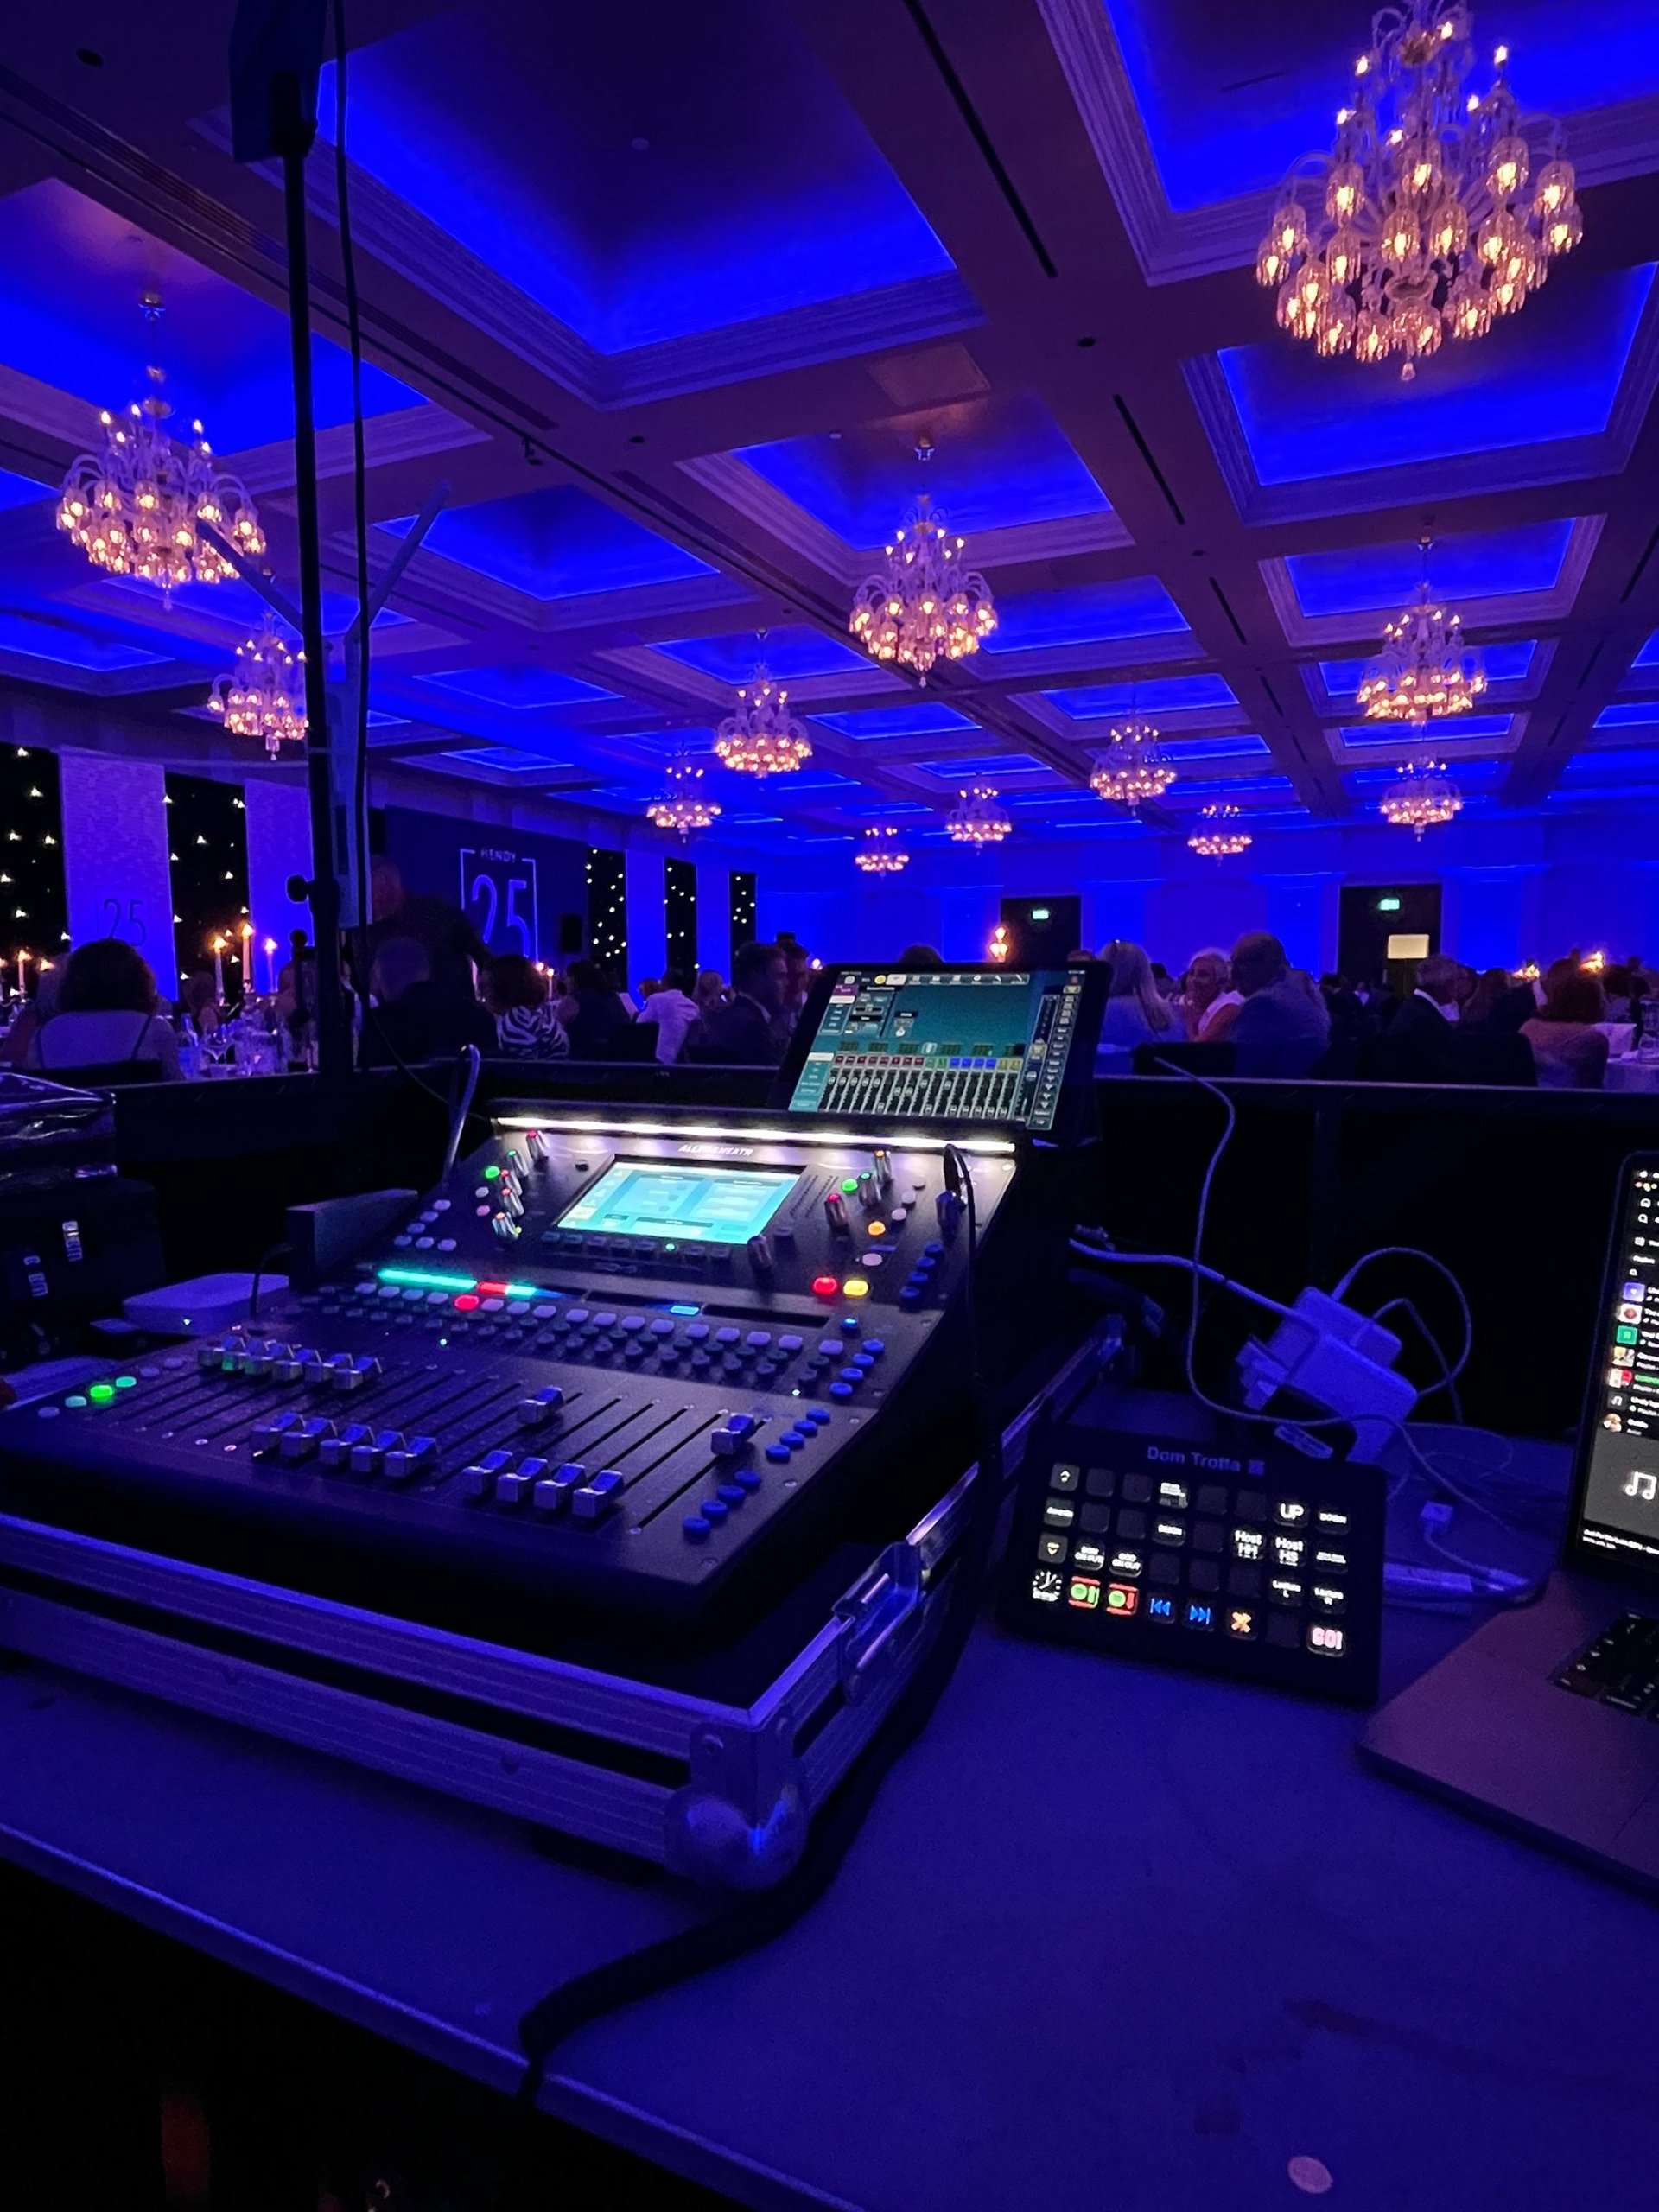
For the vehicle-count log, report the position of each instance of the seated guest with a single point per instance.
(1135, 1012)
(198, 1003)
(1282, 1028)
(526, 1027)
(1570, 1051)
(106, 1014)
(1208, 1001)
(1422, 1042)
(743, 1030)
(922, 958)
(453, 945)
(415, 1017)
(674, 1011)
(593, 1011)
(1498, 1006)
(48, 982)
(709, 989)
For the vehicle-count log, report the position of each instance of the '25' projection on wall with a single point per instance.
(498, 897)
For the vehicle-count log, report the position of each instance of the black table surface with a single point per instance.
(1112, 1934)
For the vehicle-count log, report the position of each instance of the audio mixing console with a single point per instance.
(612, 1357)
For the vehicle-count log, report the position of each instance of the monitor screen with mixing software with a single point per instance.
(973, 1045)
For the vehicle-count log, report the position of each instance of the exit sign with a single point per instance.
(1388, 906)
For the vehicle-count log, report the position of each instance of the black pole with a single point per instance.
(292, 136)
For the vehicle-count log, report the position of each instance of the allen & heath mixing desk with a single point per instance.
(620, 1362)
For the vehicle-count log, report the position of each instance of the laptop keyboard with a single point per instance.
(1621, 1668)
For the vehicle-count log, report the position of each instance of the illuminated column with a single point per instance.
(714, 918)
(115, 857)
(278, 815)
(647, 924)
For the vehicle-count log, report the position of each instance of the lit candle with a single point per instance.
(246, 935)
(271, 965)
(219, 969)
(22, 975)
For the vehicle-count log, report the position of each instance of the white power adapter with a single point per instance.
(1324, 1351)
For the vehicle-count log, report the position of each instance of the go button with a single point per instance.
(855, 1286)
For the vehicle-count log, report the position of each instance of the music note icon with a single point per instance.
(1645, 1487)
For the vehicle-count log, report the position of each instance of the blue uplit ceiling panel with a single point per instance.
(790, 653)
(70, 285)
(1553, 372)
(1607, 767)
(1230, 97)
(1093, 615)
(1171, 695)
(1637, 714)
(51, 641)
(515, 686)
(1243, 747)
(21, 490)
(985, 770)
(509, 761)
(1494, 564)
(558, 543)
(1490, 728)
(1507, 663)
(646, 173)
(670, 741)
(1649, 656)
(1468, 775)
(922, 720)
(1000, 461)
(231, 602)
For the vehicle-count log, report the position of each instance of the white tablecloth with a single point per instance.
(1631, 1074)
(1620, 1036)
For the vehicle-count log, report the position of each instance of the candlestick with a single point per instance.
(270, 966)
(218, 970)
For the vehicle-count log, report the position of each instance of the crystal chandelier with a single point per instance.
(1422, 796)
(926, 605)
(263, 695)
(762, 738)
(135, 507)
(682, 807)
(1424, 670)
(1424, 228)
(976, 819)
(881, 854)
(1135, 768)
(1217, 837)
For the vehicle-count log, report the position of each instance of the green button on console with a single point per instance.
(101, 1393)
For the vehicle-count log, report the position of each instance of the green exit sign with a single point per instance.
(1388, 906)
(1039, 913)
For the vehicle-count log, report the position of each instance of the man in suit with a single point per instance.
(744, 1030)
(1422, 1040)
(1283, 1027)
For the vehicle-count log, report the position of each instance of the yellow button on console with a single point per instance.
(855, 1286)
